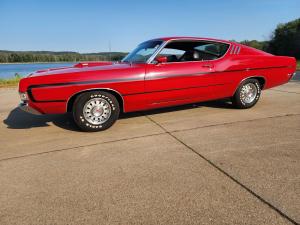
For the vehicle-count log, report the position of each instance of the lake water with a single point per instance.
(9, 70)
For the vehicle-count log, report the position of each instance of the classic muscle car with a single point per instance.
(158, 73)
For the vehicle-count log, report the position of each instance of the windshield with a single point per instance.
(142, 52)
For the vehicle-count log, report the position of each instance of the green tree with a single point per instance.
(286, 39)
(262, 45)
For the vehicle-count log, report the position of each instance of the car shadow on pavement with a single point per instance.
(18, 119)
(223, 103)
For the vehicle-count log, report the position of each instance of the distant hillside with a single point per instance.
(50, 56)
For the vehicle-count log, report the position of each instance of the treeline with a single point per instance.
(47, 56)
(285, 40)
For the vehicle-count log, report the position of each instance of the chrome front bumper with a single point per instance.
(25, 107)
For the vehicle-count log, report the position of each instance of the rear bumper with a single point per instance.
(291, 76)
(25, 107)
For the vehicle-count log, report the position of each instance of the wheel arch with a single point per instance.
(115, 93)
(261, 79)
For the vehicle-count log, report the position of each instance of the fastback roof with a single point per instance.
(191, 38)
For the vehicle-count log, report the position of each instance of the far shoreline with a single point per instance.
(38, 62)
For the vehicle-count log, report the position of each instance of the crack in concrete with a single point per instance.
(290, 92)
(234, 122)
(170, 133)
(137, 137)
(260, 198)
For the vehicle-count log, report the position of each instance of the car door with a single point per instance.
(174, 83)
(185, 79)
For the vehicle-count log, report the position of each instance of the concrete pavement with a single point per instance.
(198, 164)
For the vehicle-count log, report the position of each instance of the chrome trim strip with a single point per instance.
(99, 89)
(156, 52)
(150, 60)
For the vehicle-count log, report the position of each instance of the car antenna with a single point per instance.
(109, 50)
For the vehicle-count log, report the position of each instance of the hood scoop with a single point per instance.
(91, 64)
(51, 69)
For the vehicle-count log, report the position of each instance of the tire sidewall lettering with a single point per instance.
(82, 122)
(113, 107)
(256, 97)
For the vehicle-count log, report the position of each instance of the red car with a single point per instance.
(158, 73)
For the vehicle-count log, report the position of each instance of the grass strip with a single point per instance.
(10, 82)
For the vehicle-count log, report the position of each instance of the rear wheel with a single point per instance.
(95, 111)
(247, 94)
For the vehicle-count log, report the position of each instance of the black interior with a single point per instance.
(194, 52)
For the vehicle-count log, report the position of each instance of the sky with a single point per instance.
(94, 25)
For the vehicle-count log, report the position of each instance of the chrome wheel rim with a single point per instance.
(97, 111)
(248, 93)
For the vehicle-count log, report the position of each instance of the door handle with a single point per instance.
(207, 66)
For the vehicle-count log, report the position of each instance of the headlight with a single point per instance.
(23, 96)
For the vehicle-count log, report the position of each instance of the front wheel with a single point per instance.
(247, 94)
(95, 111)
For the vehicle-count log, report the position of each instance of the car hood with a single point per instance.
(81, 67)
(84, 72)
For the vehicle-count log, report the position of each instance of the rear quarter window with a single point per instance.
(217, 49)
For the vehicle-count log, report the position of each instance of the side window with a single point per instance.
(188, 50)
(211, 51)
(173, 55)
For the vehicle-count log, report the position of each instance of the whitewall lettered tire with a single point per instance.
(95, 110)
(247, 94)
